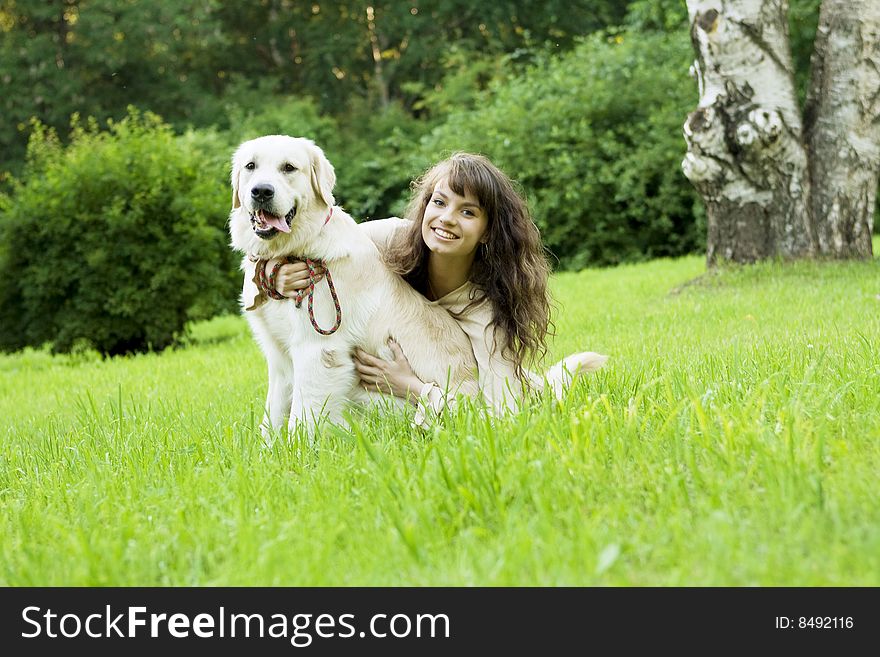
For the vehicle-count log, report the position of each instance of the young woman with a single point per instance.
(471, 247)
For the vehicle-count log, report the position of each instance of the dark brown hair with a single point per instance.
(511, 269)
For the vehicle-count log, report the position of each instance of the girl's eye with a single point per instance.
(467, 213)
(250, 166)
(437, 202)
(289, 168)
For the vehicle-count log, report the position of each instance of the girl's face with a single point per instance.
(453, 225)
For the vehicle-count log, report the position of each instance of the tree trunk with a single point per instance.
(842, 124)
(379, 81)
(745, 150)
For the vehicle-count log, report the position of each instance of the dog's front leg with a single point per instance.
(324, 378)
(278, 397)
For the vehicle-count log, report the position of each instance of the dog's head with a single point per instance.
(277, 179)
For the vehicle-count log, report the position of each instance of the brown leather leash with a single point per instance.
(267, 285)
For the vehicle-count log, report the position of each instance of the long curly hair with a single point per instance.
(511, 269)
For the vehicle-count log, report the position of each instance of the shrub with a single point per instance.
(594, 138)
(115, 241)
(273, 114)
(372, 154)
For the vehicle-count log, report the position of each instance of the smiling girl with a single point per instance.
(471, 247)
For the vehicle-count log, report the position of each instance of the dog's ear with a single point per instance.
(236, 172)
(323, 175)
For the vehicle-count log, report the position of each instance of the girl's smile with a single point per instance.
(453, 225)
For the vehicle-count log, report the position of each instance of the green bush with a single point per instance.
(117, 240)
(297, 116)
(594, 138)
(372, 154)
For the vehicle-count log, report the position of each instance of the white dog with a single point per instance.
(282, 205)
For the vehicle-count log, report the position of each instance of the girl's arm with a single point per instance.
(397, 378)
(295, 276)
(499, 384)
(290, 278)
(381, 231)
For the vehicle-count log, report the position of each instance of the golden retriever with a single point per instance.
(283, 205)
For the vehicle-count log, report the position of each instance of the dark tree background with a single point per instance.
(188, 60)
(579, 101)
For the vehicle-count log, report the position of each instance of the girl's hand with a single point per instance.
(391, 377)
(293, 277)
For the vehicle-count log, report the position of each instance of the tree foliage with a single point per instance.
(803, 18)
(178, 58)
(115, 241)
(95, 57)
(580, 101)
(594, 138)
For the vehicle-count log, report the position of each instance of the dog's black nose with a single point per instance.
(262, 193)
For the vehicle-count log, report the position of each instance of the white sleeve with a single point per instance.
(499, 384)
(251, 296)
(381, 231)
(432, 402)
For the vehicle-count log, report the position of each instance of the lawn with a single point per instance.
(732, 439)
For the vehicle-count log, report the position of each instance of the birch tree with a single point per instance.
(775, 181)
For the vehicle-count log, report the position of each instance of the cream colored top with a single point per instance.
(496, 375)
(497, 378)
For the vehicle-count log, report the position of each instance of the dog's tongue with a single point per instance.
(274, 221)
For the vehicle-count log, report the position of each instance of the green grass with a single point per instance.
(733, 439)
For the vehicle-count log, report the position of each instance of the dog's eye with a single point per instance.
(250, 166)
(288, 168)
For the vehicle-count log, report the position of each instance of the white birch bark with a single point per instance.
(745, 140)
(842, 121)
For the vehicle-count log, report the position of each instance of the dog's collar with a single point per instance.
(329, 215)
